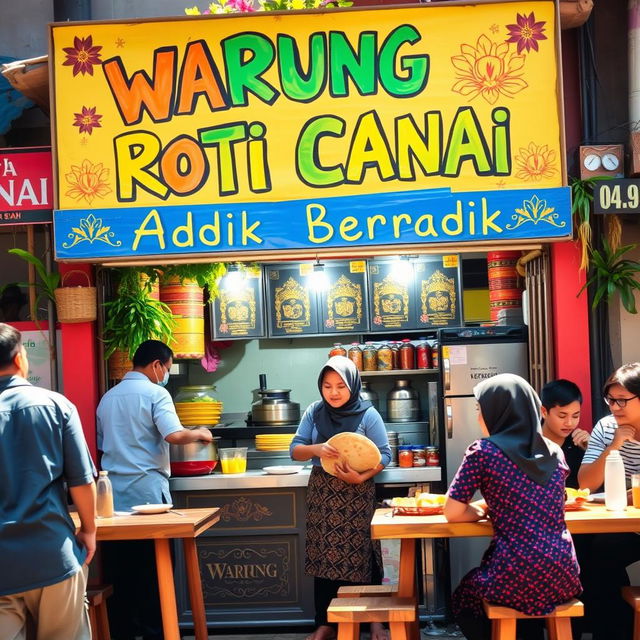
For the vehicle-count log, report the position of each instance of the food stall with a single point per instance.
(349, 163)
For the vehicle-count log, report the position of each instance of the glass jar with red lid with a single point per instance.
(407, 355)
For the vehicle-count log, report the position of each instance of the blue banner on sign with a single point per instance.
(430, 216)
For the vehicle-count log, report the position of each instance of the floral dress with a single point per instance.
(530, 564)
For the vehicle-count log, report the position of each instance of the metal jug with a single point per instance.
(403, 404)
(367, 393)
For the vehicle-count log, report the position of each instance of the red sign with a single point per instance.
(26, 189)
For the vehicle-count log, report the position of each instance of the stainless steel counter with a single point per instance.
(263, 480)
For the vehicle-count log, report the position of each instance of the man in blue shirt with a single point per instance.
(137, 421)
(44, 562)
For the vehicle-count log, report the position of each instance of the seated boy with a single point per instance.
(561, 405)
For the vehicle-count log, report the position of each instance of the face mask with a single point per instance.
(165, 379)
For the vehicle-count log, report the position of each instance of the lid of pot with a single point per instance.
(268, 391)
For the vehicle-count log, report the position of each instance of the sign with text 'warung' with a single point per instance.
(313, 130)
(26, 186)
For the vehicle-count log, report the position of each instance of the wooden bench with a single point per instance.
(503, 620)
(350, 613)
(359, 590)
(97, 598)
(632, 596)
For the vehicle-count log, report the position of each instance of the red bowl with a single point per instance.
(193, 468)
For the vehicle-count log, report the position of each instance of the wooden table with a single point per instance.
(592, 519)
(185, 524)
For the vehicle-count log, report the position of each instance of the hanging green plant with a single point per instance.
(611, 274)
(581, 199)
(205, 274)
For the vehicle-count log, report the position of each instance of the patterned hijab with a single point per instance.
(511, 410)
(330, 420)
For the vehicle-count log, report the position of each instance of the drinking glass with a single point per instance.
(635, 490)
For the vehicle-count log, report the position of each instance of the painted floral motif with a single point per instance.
(91, 229)
(119, 43)
(534, 211)
(87, 120)
(82, 56)
(87, 181)
(488, 70)
(526, 32)
(535, 163)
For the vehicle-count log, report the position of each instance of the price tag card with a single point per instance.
(616, 196)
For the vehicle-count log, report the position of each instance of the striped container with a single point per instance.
(186, 301)
(505, 289)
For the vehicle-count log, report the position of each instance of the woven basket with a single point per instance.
(76, 304)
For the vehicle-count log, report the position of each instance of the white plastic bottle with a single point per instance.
(105, 496)
(615, 491)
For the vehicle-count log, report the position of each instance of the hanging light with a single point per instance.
(401, 270)
(319, 279)
(234, 278)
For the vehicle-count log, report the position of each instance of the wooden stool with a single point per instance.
(503, 620)
(357, 591)
(350, 613)
(632, 596)
(97, 597)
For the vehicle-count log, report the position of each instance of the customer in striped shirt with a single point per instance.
(604, 570)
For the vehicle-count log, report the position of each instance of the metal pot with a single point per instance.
(402, 403)
(369, 394)
(274, 406)
(193, 459)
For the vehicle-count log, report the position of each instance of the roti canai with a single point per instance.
(356, 450)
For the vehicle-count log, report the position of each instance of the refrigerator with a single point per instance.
(468, 356)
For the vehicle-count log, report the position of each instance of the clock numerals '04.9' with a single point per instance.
(612, 197)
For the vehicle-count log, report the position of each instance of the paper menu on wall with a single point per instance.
(457, 354)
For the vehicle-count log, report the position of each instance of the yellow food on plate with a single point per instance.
(576, 494)
(430, 499)
(404, 502)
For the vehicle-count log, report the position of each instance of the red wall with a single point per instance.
(570, 311)
(80, 362)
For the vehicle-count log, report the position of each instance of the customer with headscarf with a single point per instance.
(530, 564)
(339, 549)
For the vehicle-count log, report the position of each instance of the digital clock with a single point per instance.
(617, 196)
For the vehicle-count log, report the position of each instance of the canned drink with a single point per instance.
(432, 456)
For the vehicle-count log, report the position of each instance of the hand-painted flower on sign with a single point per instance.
(82, 56)
(91, 229)
(535, 163)
(88, 181)
(488, 70)
(535, 210)
(526, 32)
(87, 120)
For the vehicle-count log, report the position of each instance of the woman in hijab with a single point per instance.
(339, 549)
(530, 564)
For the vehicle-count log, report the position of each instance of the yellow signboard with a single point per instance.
(274, 107)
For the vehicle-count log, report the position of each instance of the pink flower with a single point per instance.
(243, 6)
(526, 32)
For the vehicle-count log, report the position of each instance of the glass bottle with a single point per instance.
(355, 354)
(370, 357)
(407, 355)
(395, 351)
(104, 498)
(338, 350)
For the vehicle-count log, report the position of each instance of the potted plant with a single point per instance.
(47, 283)
(132, 317)
(612, 274)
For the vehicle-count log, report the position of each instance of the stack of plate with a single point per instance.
(199, 413)
(274, 441)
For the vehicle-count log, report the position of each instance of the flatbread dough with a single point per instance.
(356, 450)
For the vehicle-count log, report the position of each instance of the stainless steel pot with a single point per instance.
(403, 404)
(194, 458)
(274, 406)
(369, 394)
